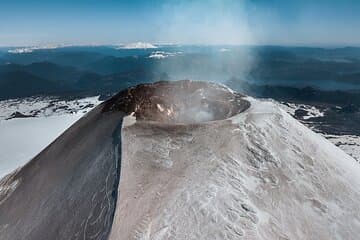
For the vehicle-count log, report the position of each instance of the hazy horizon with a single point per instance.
(160, 44)
(247, 22)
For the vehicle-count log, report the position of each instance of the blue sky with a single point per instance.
(276, 22)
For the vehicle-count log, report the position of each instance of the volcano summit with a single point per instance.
(179, 102)
(184, 160)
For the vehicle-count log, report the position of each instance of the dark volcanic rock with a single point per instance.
(19, 115)
(178, 102)
(300, 113)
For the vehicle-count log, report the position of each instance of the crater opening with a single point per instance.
(182, 101)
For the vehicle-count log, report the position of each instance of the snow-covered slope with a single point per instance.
(254, 173)
(260, 175)
(347, 142)
(22, 139)
(28, 125)
(68, 191)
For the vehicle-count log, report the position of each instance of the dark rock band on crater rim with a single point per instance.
(178, 102)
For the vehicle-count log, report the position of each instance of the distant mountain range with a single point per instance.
(264, 71)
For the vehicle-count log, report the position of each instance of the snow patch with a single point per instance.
(34, 48)
(224, 50)
(162, 54)
(21, 139)
(138, 45)
(309, 111)
(348, 143)
(46, 106)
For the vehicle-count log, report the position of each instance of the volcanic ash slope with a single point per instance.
(66, 191)
(258, 175)
(197, 161)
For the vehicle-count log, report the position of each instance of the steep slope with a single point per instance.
(68, 191)
(198, 161)
(259, 175)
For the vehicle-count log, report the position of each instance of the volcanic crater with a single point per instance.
(178, 102)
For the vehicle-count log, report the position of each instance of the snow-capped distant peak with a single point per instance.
(138, 45)
(162, 54)
(21, 50)
(224, 50)
(33, 48)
